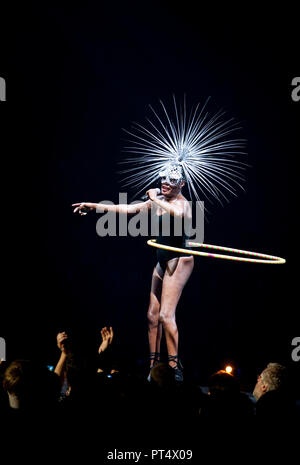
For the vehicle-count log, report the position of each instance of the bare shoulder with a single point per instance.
(183, 200)
(185, 204)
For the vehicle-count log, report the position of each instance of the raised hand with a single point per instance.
(61, 340)
(107, 337)
(152, 193)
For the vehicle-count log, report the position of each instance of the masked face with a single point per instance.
(172, 175)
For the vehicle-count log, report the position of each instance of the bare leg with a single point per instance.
(175, 278)
(154, 325)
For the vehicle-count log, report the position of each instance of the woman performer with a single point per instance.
(173, 269)
(192, 148)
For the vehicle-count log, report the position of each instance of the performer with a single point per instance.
(172, 270)
(194, 149)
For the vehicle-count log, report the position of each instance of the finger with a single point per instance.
(76, 204)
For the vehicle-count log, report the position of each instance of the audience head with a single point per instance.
(162, 375)
(222, 383)
(273, 378)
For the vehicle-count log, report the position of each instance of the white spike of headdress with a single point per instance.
(198, 146)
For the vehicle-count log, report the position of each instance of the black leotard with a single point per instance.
(166, 236)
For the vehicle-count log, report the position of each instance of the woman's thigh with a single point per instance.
(156, 287)
(174, 281)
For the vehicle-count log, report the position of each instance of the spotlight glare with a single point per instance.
(228, 369)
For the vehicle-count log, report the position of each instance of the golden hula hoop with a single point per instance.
(260, 258)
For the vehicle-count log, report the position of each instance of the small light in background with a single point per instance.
(228, 369)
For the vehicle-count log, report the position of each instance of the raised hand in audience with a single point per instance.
(107, 335)
(62, 344)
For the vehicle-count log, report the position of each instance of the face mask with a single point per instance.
(172, 175)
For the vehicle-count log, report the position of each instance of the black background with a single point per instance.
(75, 77)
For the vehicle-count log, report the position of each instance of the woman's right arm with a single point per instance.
(83, 207)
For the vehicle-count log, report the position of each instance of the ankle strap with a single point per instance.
(154, 355)
(173, 358)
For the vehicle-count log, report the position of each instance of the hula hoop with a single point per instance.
(260, 258)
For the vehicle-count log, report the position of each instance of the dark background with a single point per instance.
(75, 77)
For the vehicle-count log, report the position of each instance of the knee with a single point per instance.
(166, 320)
(153, 316)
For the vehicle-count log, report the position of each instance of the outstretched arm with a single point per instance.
(83, 207)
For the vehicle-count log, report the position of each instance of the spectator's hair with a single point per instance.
(16, 377)
(162, 375)
(221, 383)
(275, 376)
